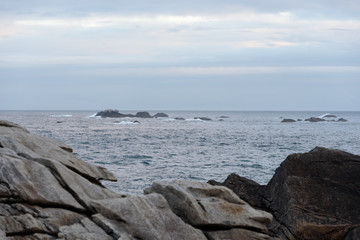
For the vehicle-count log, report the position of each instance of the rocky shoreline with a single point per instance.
(48, 193)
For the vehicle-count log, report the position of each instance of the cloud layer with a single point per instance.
(140, 42)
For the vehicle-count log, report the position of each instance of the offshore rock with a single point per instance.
(315, 119)
(288, 120)
(161, 115)
(143, 115)
(313, 195)
(110, 113)
(203, 118)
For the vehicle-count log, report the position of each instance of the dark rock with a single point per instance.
(342, 120)
(223, 117)
(179, 118)
(245, 188)
(110, 113)
(354, 234)
(161, 115)
(221, 120)
(315, 119)
(314, 195)
(299, 120)
(59, 122)
(203, 118)
(288, 120)
(143, 115)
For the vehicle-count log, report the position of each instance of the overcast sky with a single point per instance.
(180, 55)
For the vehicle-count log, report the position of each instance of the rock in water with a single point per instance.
(287, 120)
(161, 115)
(314, 195)
(110, 113)
(315, 119)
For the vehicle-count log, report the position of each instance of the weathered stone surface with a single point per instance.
(206, 206)
(22, 142)
(144, 217)
(314, 195)
(84, 230)
(246, 189)
(29, 181)
(353, 234)
(238, 233)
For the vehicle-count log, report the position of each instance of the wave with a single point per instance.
(94, 116)
(194, 120)
(168, 119)
(322, 116)
(61, 115)
(125, 123)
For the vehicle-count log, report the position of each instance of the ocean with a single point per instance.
(249, 143)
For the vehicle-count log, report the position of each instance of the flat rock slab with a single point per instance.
(143, 217)
(205, 206)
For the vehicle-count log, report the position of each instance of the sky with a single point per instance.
(180, 55)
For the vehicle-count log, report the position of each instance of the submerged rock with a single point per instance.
(288, 120)
(315, 119)
(314, 195)
(342, 120)
(203, 118)
(161, 115)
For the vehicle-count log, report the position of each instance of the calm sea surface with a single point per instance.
(251, 144)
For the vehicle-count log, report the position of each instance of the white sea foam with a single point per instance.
(194, 120)
(168, 119)
(322, 116)
(94, 116)
(62, 115)
(125, 123)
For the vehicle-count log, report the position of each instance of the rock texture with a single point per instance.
(314, 195)
(48, 193)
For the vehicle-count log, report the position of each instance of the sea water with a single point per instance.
(251, 144)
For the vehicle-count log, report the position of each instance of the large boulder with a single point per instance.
(23, 143)
(212, 208)
(313, 195)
